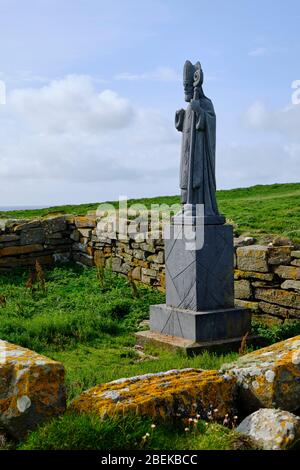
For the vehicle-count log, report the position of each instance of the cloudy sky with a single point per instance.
(92, 87)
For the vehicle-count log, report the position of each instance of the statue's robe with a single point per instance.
(203, 172)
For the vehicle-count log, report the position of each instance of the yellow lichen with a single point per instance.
(161, 396)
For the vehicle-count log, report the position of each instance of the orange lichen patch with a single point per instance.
(85, 221)
(31, 388)
(162, 395)
(20, 250)
(269, 377)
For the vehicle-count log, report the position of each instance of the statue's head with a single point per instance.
(192, 77)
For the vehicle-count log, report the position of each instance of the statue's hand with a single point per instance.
(179, 118)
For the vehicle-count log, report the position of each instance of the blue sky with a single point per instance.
(92, 87)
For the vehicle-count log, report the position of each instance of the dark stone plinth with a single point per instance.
(212, 325)
(197, 220)
(199, 278)
(190, 348)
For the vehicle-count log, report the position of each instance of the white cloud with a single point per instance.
(284, 122)
(257, 163)
(162, 74)
(270, 153)
(69, 142)
(67, 131)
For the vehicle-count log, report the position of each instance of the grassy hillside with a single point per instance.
(257, 211)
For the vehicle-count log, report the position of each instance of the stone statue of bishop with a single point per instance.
(197, 167)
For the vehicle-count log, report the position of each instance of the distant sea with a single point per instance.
(18, 208)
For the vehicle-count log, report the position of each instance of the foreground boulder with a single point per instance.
(31, 389)
(271, 429)
(269, 377)
(164, 395)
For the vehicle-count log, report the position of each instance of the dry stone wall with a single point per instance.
(22, 242)
(267, 278)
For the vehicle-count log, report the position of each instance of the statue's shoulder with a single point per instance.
(207, 105)
(206, 102)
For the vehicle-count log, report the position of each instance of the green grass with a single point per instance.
(89, 326)
(87, 432)
(258, 211)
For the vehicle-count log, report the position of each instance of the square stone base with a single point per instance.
(190, 348)
(211, 325)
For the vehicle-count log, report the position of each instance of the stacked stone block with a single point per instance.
(267, 278)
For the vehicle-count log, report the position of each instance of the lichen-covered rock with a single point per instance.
(278, 310)
(278, 296)
(252, 258)
(294, 285)
(279, 255)
(31, 389)
(253, 306)
(239, 274)
(288, 272)
(271, 429)
(269, 377)
(85, 221)
(242, 289)
(162, 395)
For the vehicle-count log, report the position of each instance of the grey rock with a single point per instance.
(9, 237)
(282, 241)
(271, 429)
(244, 241)
(31, 236)
(293, 285)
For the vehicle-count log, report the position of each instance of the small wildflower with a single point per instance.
(153, 426)
(190, 420)
(186, 429)
(195, 421)
(216, 410)
(147, 434)
(198, 416)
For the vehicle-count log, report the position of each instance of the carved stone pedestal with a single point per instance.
(199, 308)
